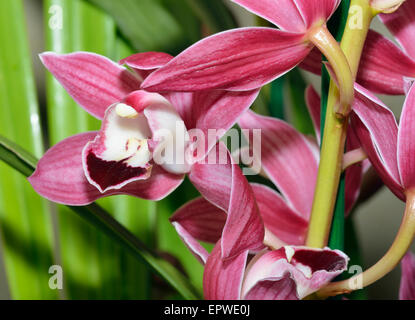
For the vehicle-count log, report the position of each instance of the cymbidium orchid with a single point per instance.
(290, 160)
(138, 128)
(248, 58)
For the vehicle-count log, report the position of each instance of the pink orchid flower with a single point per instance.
(248, 58)
(289, 273)
(290, 160)
(407, 287)
(120, 158)
(385, 68)
(389, 147)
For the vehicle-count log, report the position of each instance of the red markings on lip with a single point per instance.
(111, 173)
(319, 260)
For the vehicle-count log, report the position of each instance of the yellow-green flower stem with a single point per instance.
(335, 129)
(389, 261)
(321, 37)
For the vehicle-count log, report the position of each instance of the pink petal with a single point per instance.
(406, 142)
(381, 124)
(239, 60)
(314, 109)
(316, 11)
(283, 288)
(371, 150)
(211, 111)
(199, 220)
(146, 62)
(93, 81)
(402, 25)
(383, 65)
(287, 158)
(407, 288)
(60, 170)
(225, 186)
(311, 269)
(282, 13)
(222, 279)
(312, 62)
(278, 217)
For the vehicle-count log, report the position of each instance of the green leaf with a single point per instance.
(276, 105)
(25, 219)
(146, 24)
(99, 218)
(214, 14)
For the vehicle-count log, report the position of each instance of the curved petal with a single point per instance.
(313, 102)
(287, 158)
(381, 123)
(383, 65)
(238, 60)
(222, 183)
(367, 143)
(311, 269)
(93, 81)
(283, 13)
(170, 136)
(407, 288)
(402, 25)
(316, 11)
(278, 217)
(208, 115)
(60, 170)
(222, 279)
(282, 288)
(199, 220)
(146, 62)
(406, 142)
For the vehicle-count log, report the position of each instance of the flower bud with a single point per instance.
(386, 6)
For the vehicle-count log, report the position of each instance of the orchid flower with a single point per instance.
(289, 273)
(389, 146)
(290, 160)
(248, 58)
(122, 157)
(407, 287)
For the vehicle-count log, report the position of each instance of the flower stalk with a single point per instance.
(389, 261)
(321, 37)
(335, 130)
